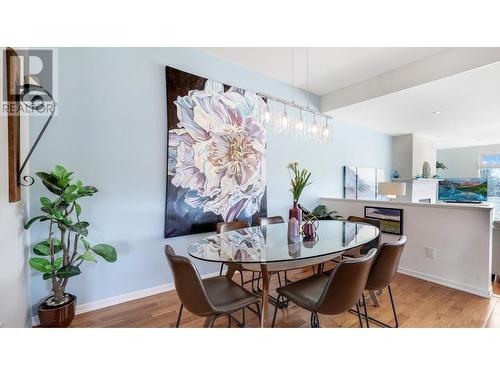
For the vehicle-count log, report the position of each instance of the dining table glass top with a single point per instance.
(271, 243)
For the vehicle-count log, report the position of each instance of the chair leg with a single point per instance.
(210, 320)
(179, 316)
(359, 315)
(393, 307)
(315, 320)
(366, 311)
(242, 285)
(213, 321)
(286, 279)
(275, 310)
(378, 322)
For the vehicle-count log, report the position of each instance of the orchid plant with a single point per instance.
(299, 180)
(59, 258)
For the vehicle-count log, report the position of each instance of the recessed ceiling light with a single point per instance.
(436, 112)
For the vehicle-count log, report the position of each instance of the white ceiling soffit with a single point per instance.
(330, 68)
(446, 63)
(457, 111)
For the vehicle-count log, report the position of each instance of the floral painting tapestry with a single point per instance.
(216, 154)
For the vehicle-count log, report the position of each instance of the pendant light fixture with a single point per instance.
(295, 119)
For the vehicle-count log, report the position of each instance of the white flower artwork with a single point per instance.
(216, 154)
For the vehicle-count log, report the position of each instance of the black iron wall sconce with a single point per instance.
(32, 97)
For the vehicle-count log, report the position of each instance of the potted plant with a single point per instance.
(440, 165)
(299, 180)
(60, 256)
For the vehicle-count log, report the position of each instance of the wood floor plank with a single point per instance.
(419, 304)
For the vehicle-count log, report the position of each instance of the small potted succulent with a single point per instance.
(60, 256)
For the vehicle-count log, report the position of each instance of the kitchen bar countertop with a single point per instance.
(460, 206)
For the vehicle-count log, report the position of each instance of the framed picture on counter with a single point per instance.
(391, 218)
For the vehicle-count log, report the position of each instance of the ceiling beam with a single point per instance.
(447, 63)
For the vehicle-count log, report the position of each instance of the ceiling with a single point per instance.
(468, 105)
(330, 68)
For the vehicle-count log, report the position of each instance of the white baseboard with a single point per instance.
(106, 302)
(487, 293)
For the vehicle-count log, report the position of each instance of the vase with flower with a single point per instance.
(299, 180)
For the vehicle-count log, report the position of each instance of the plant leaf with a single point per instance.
(67, 271)
(80, 228)
(46, 202)
(87, 190)
(40, 264)
(59, 171)
(32, 220)
(87, 256)
(42, 248)
(85, 243)
(47, 275)
(78, 209)
(107, 252)
(61, 206)
(50, 182)
(57, 263)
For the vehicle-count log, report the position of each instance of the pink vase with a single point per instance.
(295, 212)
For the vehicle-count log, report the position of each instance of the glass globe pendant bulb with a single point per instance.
(300, 124)
(284, 120)
(267, 115)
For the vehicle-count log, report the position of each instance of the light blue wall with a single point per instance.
(111, 130)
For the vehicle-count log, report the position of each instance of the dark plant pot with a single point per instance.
(295, 212)
(57, 316)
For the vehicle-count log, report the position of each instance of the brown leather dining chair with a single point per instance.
(263, 221)
(212, 298)
(375, 243)
(228, 226)
(382, 273)
(223, 227)
(331, 294)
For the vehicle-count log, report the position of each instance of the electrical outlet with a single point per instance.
(430, 252)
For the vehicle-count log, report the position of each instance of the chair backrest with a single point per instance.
(376, 223)
(385, 264)
(263, 221)
(188, 284)
(345, 285)
(231, 225)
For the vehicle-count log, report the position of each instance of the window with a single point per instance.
(489, 161)
(489, 167)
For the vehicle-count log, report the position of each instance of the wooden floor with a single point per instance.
(419, 304)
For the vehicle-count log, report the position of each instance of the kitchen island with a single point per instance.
(448, 243)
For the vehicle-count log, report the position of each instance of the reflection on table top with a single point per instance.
(272, 244)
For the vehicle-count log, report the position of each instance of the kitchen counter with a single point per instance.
(447, 243)
(459, 206)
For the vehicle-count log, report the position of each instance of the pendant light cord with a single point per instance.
(293, 75)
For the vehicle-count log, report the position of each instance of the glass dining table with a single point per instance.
(270, 249)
